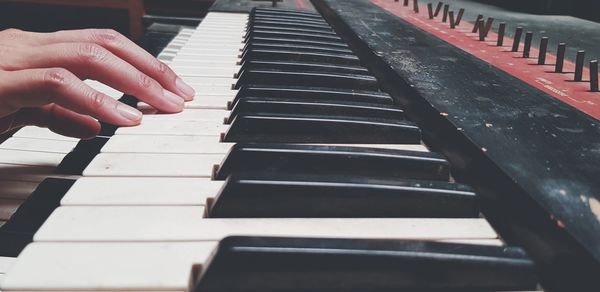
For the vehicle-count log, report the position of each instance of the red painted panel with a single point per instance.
(559, 85)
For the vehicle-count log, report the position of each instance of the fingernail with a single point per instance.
(129, 112)
(186, 89)
(173, 98)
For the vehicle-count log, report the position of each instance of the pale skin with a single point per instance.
(41, 81)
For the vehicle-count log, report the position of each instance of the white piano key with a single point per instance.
(204, 145)
(226, 34)
(201, 90)
(233, 47)
(164, 58)
(166, 144)
(201, 64)
(211, 50)
(186, 128)
(216, 56)
(153, 165)
(30, 158)
(40, 145)
(194, 60)
(189, 115)
(104, 88)
(6, 263)
(101, 191)
(225, 72)
(186, 223)
(17, 190)
(206, 102)
(208, 93)
(209, 81)
(107, 267)
(41, 133)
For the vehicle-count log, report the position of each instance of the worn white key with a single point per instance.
(6, 263)
(194, 61)
(180, 62)
(225, 72)
(166, 144)
(107, 266)
(17, 190)
(205, 102)
(106, 191)
(203, 145)
(39, 145)
(227, 31)
(211, 90)
(186, 128)
(186, 223)
(104, 89)
(209, 81)
(190, 115)
(231, 59)
(153, 165)
(41, 133)
(204, 92)
(212, 50)
(30, 158)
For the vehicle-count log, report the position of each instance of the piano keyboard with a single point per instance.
(288, 145)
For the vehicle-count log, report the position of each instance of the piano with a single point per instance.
(332, 146)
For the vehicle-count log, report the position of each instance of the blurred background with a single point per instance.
(130, 17)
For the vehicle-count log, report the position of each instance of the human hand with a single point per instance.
(41, 81)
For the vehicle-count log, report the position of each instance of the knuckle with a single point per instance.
(56, 78)
(145, 81)
(162, 67)
(107, 36)
(4, 63)
(98, 100)
(91, 53)
(12, 33)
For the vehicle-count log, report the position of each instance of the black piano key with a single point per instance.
(293, 35)
(302, 66)
(304, 196)
(292, 40)
(290, 13)
(39, 205)
(300, 54)
(275, 128)
(287, 19)
(107, 130)
(299, 47)
(309, 264)
(296, 78)
(287, 52)
(12, 243)
(76, 161)
(280, 11)
(281, 23)
(294, 106)
(292, 30)
(309, 93)
(319, 160)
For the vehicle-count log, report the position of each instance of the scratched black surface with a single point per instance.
(244, 6)
(548, 148)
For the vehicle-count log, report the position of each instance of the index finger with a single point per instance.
(126, 50)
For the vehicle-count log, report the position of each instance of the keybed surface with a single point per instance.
(137, 217)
